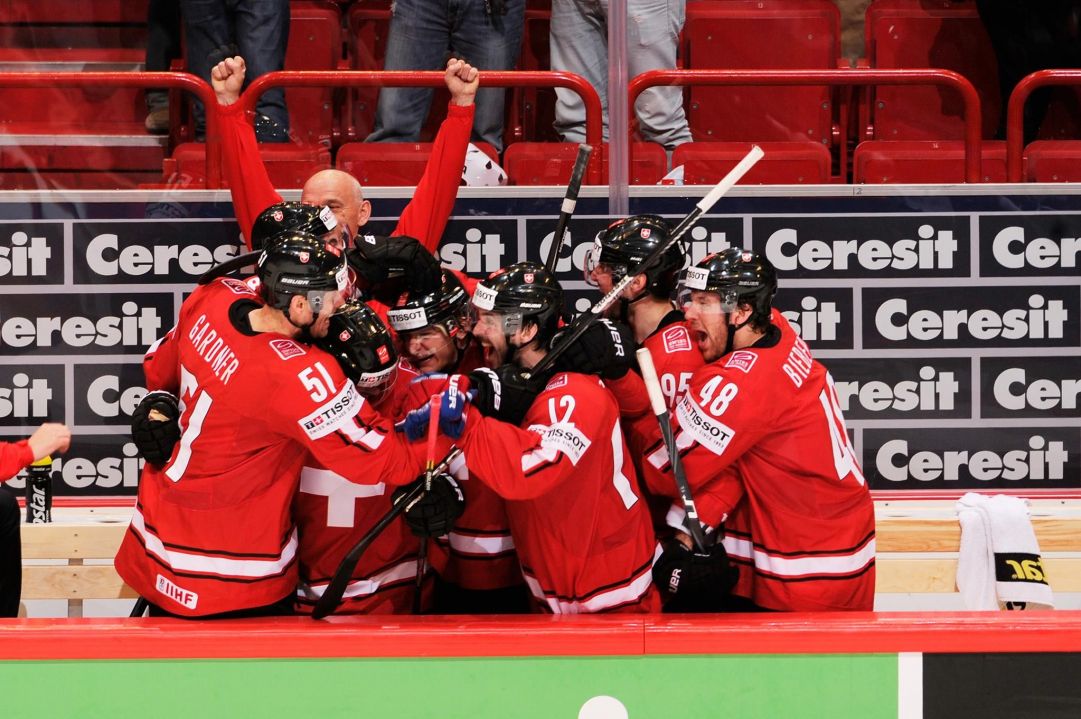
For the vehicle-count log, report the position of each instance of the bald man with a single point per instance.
(424, 218)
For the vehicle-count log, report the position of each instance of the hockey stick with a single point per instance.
(140, 607)
(660, 408)
(580, 325)
(429, 470)
(332, 595)
(229, 266)
(569, 201)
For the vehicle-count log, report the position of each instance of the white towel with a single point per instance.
(999, 561)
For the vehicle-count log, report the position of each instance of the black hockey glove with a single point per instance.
(433, 513)
(605, 349)
(388, 266)
(691, 581)
(503, 393)
(155, 427)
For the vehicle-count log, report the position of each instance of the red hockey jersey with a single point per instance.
(332, 514)
(675, 356)
(763, 424)
(212, 530)
(582, 532)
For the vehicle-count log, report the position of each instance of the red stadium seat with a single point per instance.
(1053, 161)
(531, 110)
(315, 43)
(394, 164)
(928, 33)
(762, 34)
(551, 163)
(785, 163)
(289, 166)
(47, 12)
(922, 161)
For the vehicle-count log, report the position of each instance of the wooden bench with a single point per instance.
(917, 552)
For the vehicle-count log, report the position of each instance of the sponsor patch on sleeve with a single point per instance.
(563, 437)
(702, 428)
(560, 380)
(287, 349)
(237, 286)
(334, 414)
(741, 360)
(676, 339)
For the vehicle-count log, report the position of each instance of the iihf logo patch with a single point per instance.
(303, 257)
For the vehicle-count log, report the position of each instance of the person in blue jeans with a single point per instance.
(485, 33)
(256, 29)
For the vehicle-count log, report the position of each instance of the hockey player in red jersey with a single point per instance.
(212, 533)
(424, 217)
(581, 530)
(477, 567)
(765, 449)
(646, 305)
(331, 512)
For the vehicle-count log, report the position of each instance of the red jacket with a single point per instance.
(14, 456)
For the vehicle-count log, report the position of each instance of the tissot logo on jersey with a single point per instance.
(1035, 244)
(135, 256)
(969, 459)
(1031, 386)
(27, 256)
(705, 430)
(983, 316)
(111, 327)
(334, 414)
(563, 437)
(865, 246)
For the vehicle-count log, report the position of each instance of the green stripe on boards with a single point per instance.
(745, 686)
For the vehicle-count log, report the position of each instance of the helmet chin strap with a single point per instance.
(732, 329)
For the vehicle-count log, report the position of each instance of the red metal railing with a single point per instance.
(179, 80)
(859, 76)
(1015, 130)
(387, 78)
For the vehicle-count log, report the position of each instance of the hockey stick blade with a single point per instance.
(332, 595)
(570, 199)
(582, 323)
(660, 408)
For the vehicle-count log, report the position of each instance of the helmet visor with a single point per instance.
(506, 323)
(707, 302)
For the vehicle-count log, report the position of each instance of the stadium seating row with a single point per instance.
(814, 134)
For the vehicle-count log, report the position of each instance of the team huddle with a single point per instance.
(356, 428)
(290, 411)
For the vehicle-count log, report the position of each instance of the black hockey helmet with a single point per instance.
(446, 307)
(285, 217)
(522, 291)
(362, 344)
(738, 276)
(296, 263)
(626, 243)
